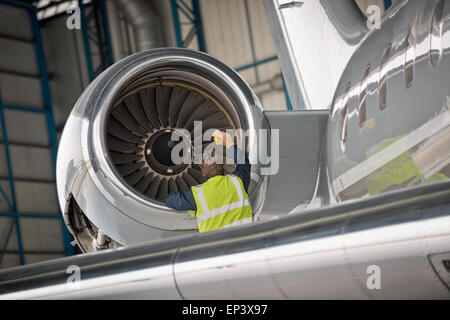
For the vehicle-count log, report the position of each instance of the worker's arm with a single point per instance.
(242, 169)
(181, 201)
(241, 159)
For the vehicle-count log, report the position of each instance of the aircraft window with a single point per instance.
(436, 34)
(382, 90)
(343, 113)
(362, 96)
(410, 57)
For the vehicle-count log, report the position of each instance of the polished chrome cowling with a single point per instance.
(113, 169)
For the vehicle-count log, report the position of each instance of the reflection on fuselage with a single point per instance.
(401, 135)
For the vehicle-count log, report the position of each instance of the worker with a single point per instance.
(222, 201)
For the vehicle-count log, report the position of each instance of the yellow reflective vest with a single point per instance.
(221, 202)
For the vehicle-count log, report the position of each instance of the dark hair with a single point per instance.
(212, 169)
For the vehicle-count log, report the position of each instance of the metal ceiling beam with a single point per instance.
(48, 113)
(193, 14)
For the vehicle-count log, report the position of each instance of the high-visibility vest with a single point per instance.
(221, 202)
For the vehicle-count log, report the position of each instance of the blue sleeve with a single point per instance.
(243, 166)
(181, 201)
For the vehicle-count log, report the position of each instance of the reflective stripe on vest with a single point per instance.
(240, 210)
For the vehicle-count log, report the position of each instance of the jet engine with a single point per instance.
(359, 207)
(114, 166)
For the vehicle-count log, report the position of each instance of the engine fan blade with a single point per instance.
(163, 95)
(133, 104)
(121, 158)
(144, 183)
(148, 100)
(116, 129)
(122, 115)
(192, 103)
(121, 146)
(177, 100)
(163, 190)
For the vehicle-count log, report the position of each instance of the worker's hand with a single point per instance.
(224, 138)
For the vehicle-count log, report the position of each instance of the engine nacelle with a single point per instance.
(114, 168)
